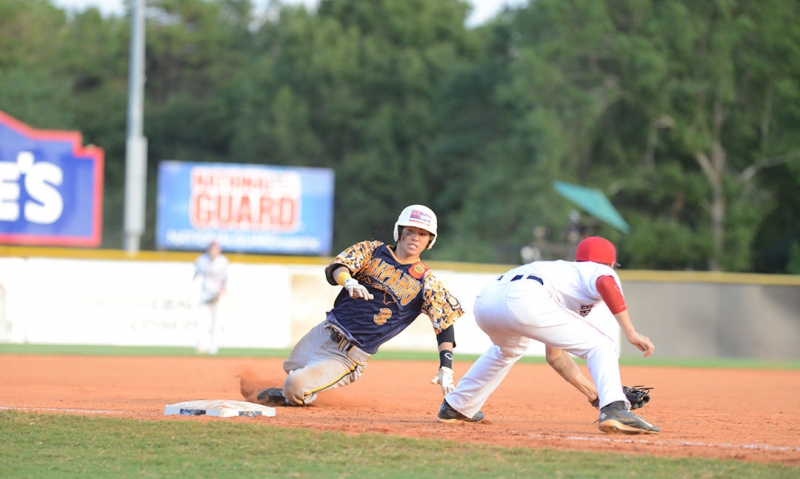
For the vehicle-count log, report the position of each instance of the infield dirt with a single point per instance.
(751, 415)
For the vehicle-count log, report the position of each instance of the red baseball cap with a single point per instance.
(596, 249)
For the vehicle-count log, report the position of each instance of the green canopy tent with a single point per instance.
(594, 202)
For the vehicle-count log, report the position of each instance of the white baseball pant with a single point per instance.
(514, 312)
(207, 327)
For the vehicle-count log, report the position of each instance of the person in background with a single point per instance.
(211, 272)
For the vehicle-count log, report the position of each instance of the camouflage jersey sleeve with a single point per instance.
(354, 258)
(439, 305)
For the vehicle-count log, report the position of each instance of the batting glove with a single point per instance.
(356, 289)
(445, 378)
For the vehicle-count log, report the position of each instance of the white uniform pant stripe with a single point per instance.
(512, 312)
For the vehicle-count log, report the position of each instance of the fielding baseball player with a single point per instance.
(547, 301)
(211, 269)
(385, 288)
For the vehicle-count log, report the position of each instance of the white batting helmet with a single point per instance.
(418, 216)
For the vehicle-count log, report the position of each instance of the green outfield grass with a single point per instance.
(735, 363)
(62, 446)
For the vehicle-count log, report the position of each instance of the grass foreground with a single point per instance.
(60, 446)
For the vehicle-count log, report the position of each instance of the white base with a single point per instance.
(218, 408)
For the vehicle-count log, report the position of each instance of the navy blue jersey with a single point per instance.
(401, 292)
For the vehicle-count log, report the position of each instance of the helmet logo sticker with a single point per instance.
(420, 216)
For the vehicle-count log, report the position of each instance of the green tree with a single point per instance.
(68, 73)
(555, 80)
(31, 36)
(652, 102)
(684, 113)
(95, 66)
(353, 88)
(194, 50)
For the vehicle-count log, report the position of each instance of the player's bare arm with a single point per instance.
(640, 341)
(567, 368)
(611, 293)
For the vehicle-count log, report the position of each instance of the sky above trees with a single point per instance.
(482, 11)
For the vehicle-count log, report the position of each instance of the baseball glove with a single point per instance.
(638, 396)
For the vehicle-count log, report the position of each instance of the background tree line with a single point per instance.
(685, 113)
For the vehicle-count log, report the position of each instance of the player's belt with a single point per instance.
(530, 276)
(344, 344)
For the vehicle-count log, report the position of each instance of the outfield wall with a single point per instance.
(715, 315)
(103, 297)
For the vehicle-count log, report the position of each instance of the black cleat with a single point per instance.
(615, 418)
(272, 397)
(448, 414)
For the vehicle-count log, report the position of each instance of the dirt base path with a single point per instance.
(749, 415)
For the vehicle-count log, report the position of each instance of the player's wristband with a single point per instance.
(446, 359)
(342, 277)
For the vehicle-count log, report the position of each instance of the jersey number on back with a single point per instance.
(383, 315)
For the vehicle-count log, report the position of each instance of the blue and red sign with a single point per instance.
(51, 187)
(246, 208)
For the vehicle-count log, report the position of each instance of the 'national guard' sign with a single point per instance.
(51, 187)
(246, 208)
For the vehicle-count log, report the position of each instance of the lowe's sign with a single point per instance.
(51, 187)
(246, 208)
